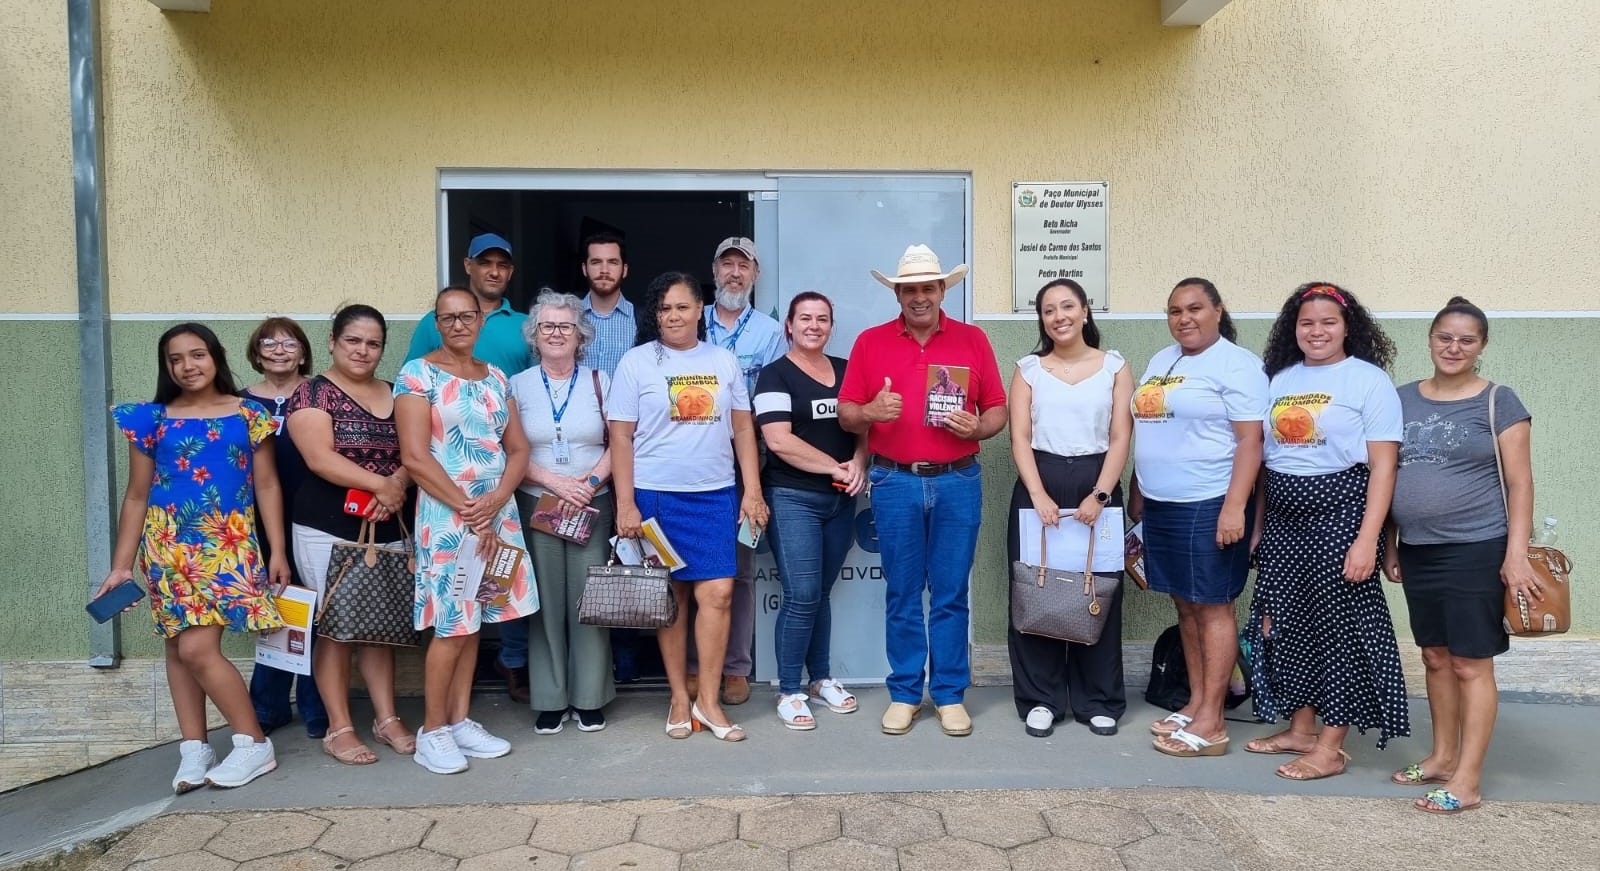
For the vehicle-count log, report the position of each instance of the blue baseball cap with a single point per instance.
(485, 241)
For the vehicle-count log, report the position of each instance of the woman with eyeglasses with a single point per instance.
(1457, 545)
(278, 350)
(461, 440)
(1319, 627)
(562, 405)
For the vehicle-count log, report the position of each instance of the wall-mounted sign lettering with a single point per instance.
(1058, 230)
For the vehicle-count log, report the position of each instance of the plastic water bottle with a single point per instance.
(1546, 537)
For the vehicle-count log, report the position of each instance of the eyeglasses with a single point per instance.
(290, 345)
(450, 319)
(553, 328)
(1445, 340)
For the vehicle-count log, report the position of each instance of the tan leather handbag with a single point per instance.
(1526, 617)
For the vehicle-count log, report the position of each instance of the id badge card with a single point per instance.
(561, 449)
(277, 424)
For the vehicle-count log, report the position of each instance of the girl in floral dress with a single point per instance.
(199, 461)
(459, 432)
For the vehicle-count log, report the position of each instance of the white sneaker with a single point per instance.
(195, 759)
(1041, 722)
(437, 751)
(475, 741)
(247, 762)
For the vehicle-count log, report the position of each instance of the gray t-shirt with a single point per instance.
(1448, 488)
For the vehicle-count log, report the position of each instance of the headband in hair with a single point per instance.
(1327, 290)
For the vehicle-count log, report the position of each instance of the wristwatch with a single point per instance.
(594, 481)
(1101, 496)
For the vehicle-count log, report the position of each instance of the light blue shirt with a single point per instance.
(500, 341)
(613, 335)
(756, 339)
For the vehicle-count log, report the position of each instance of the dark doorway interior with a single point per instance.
(664, 230)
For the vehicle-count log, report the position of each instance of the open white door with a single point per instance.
(830, 231)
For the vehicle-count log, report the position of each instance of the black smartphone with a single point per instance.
(112, 603)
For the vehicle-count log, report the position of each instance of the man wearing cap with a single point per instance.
(500, 343)
(605, 265)
(927, 497)
(489, 266)
(756, 339)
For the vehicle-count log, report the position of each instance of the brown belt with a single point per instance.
(926, 470)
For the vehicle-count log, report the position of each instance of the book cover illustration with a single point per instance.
(651, 548)
(562, 519)
(947, 392)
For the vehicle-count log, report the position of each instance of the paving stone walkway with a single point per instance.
(1101, 829)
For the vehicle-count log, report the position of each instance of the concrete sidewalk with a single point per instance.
(841, 796)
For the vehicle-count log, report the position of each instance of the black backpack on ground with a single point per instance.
(1169, 675)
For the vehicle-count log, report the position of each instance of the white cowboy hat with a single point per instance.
(920, 264)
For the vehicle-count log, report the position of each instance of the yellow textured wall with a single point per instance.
(38, 267)
(283, 155)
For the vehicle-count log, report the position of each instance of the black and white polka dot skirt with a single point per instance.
(1331, 644)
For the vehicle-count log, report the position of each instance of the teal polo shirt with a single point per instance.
(500, 341)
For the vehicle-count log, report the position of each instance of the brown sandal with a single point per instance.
(1299, 763)
(360, 754)
(1273, 744)
(405, 744)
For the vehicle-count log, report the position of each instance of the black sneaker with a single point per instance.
(549, 722)
(589, 721)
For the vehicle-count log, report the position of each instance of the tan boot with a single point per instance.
(953, 719)
(899, 718)
(735, 689)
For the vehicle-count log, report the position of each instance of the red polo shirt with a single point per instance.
(889, 351)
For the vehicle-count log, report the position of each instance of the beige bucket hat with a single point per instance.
(920, 264)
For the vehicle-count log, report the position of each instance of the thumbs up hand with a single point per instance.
(885, 407)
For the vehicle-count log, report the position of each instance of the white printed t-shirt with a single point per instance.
(1322, 417)
(1183, 414)
(683, 404)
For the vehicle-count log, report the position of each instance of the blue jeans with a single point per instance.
(927, 533)
(514, 644)
(810, 533)
(269, 693)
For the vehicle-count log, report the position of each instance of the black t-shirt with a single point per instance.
(784, 393)
(369, 441)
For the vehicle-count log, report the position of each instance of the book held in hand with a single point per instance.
(947, 392)
(562, 519)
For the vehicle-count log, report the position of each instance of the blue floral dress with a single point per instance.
(199, 555)
(467, 421)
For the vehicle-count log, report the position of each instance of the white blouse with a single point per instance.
(1071, 420)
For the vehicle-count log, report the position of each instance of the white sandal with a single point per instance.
(791, 708)
(833, 694)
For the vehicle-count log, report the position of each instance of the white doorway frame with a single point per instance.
(763, 187)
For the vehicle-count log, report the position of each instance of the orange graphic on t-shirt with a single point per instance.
(1294, 424)
(1150, 401)
(694, 403)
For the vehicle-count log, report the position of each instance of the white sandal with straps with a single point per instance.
(796, 714)
(833, 694)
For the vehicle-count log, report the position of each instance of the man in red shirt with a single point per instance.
(927, 494)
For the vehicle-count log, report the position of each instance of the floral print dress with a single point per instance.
(468, 419)
(199, 555)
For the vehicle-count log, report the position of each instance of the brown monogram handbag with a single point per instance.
(1551, 615)
(1069, 606)
(370, 592)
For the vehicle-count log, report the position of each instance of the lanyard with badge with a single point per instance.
(738, 330)
(559, 445)
(278, 416)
